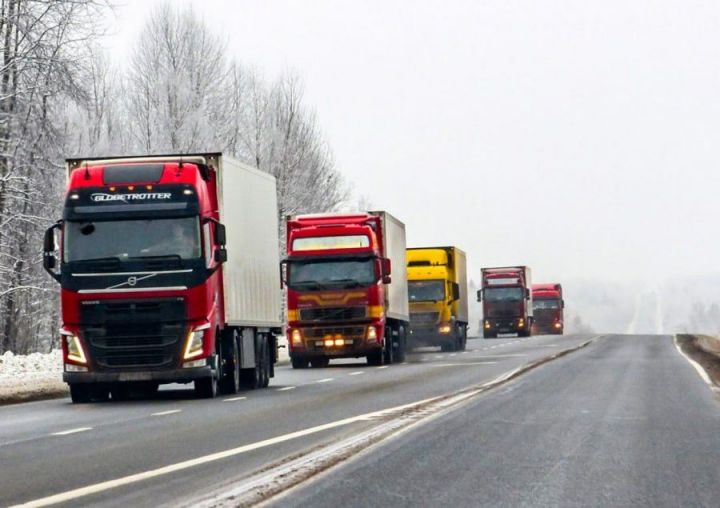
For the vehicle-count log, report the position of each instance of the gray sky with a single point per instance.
(580, 138)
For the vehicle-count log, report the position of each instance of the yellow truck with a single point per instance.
(437, 289)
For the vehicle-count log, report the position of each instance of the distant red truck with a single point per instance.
(507, 301)
(548, 305)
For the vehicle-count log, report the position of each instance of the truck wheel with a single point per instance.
(489, 335)
(120, 392)
(266, 362)
(375, 358)
(400, 353)
(298, 362)
(81, 393)
(230, 372)
(206, 388)
(389, 353)
(463, 338)
(320, 362)
(254, 378)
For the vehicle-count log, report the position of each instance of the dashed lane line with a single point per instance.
(357, 373)
(169, 412)
(326, 380)
(234, 399)
(71, 431)
(286, 388)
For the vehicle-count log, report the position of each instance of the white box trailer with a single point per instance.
(394, 245)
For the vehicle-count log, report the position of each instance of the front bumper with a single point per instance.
(429, 337)
(160, 376)
(503, 326)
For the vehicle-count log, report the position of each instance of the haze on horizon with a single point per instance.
(579, 138)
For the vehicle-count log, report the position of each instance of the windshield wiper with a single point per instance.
(99, 260)
(175, 257)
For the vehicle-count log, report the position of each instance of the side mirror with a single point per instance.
(479, 295)
(386, 270)
(455, 291)
(527, 293)
(220, 238)
(220, 256)
(49, 247)
(562, 304)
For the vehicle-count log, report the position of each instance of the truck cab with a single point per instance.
(437, 289)
(507, 301)
(344, 292)
(548, 305)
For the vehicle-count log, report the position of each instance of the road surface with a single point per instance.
(625, 420)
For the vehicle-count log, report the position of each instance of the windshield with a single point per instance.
(126, 239)
(546, 303)
(504, 294)
(426, 290)
(317, 274)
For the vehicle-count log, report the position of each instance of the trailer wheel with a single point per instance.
(266, 362)
(254, 378)
(230, 372)
(298, 362)
(463, 337)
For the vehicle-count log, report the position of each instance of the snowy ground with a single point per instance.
(30, 377)
(39, 376)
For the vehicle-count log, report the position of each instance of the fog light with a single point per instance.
(296, 337)
(372, 334)
(194, 363)
(487, 325)
(521, 323)
(444, 328)
(70, 367)
(558, 325)
(339, 342)
(329, 343)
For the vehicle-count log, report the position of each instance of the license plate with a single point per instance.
(135, 376)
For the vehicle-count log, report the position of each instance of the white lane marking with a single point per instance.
(460, 364)
(233, 399)
(64, 497)
(326, 380)
(696, 365)
(453, 354)
(356, 373)
(439, 356)
(71, 431)
(383, 367)
(519, 355)
(547, 345)
(286, 388)
(169, 412)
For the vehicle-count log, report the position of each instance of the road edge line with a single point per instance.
(698, 368)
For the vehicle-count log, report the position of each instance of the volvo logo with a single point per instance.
(132, 281)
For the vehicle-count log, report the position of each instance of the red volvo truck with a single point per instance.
(347, 292)
(548, 305)
(168, 274)
(507, 301)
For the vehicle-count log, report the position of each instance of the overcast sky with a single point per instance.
(580, 138)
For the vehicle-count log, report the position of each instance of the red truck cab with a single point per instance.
(507, 301)
(339, 301)
(548, 305)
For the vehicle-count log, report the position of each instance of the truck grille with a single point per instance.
(424, 318)
(127, 334)
(333, 313)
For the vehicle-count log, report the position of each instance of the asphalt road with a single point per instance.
(53, 447)
(625, 421)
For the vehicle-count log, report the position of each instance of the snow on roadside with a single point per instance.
(30, 377)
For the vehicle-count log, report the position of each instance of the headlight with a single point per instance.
(75, 351)
(372, 334)
(521, 323)
(487, 324)
(444, 328)
(194, 344)
(296, 337)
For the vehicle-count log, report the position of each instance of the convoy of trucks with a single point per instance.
(506, 301)
(437, 287)
(168, 272)
(347, 292)
(548, 305)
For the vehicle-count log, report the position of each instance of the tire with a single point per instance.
(389, 350)
(266, 362)
(375, 359)
(446, 348)
(401, 352)
(320, 362)
(489, 335)
(120, 392)
(255, 377)
(463, 337)
(81, 393)
(206, 387)
(230, 365)
(298, 362)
